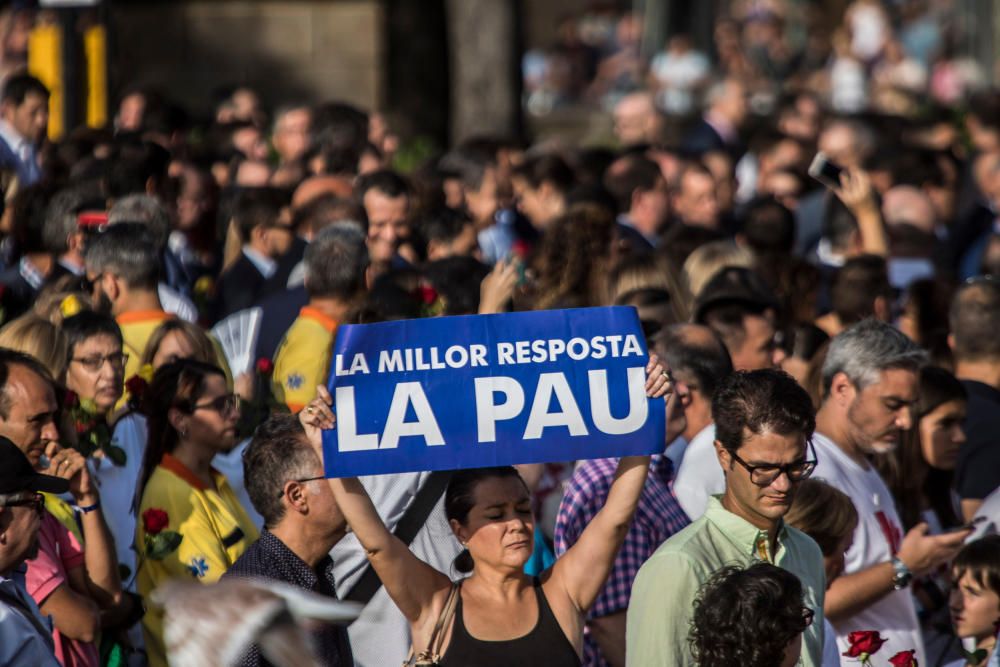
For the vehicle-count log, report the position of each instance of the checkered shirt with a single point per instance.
(657, 517)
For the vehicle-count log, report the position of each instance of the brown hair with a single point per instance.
(823, 513)
(573, 259)
(204, 350)
(979, 559)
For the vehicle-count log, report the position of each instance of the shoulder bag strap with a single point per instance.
(409, 525)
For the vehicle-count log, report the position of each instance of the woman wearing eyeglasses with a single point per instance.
(191, 525)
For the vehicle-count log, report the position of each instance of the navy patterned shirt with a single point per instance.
(269, 558)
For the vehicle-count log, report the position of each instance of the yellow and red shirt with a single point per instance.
(215, 530)
(303, 358)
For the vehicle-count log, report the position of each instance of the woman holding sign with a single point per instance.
(497, 615)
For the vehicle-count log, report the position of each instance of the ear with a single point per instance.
(294, 495)
(841, 389)
(881, 308)
(725, 459)
(458, 530)
(433, 248)
(951, 342)
(178, 420)
(111, 286)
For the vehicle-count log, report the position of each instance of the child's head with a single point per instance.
(975, 593)
(828, 516)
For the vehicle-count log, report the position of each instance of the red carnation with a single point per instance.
(136, 386)
(82, 427)
(70, 399)
(265, 366)
(154, 520)
(519, 249)
(864, 642)
(904, 659)
(426, 294)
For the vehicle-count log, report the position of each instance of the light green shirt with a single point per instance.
(664, 592)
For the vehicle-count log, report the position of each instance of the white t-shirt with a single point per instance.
(700, 474)
(831, 652)
(876, 540)
(230, 464)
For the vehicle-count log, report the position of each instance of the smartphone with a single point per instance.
(969, 526)
(826, 171)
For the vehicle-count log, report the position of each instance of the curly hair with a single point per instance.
(761, 401)
(747, 617)
(573, 259)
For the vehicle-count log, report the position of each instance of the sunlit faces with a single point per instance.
(96, 371)
(499, 531)
(975, 609)
(758, 348)
(31, 420)
(761, 505)
(941, 434)
(387, 224)
(30, 118)
(212, 420)
(881, 411)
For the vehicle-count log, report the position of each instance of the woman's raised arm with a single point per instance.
(583, 569)
(410, 582)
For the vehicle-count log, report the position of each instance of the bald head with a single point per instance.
(317, 186)
(905, 204)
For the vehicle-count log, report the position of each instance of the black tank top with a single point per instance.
(546, 645)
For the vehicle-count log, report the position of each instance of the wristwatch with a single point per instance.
(901, 578)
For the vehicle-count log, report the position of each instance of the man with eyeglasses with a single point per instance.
(764, 424)
(302, 523)
(25, 635)
(870, 383)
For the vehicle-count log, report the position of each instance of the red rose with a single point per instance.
(82, 427)
(904, 659)
(426, 294)
(519, 249)
(136, 386)
(265, 366)
(154, 520)
(863, 642)
(70, 399)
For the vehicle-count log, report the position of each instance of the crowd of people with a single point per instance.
(828, 487)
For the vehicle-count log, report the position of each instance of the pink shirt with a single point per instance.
(58, 553)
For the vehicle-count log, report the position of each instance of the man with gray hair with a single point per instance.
(123, 267)
(336, 263)
(975, 321)
(285, 482)
(870, 383)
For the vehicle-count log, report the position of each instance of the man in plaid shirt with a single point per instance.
(657, 517)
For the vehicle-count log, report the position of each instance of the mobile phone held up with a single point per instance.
(826, 171)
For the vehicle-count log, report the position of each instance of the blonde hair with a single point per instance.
(40, 339)
(702, 264)
(57, 302)
(645, 272)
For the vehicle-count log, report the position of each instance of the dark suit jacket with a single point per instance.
(702, 138)
(239, 287)
(278, 313)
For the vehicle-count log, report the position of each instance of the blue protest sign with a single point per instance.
(473, 391)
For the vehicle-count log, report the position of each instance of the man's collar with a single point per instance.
(265, 265)
(748, 537)
(11, 136)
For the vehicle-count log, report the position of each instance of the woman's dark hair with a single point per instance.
(804, 340)
(747, 617)
(460, 498)
(87, 324)
(980, 560)
(906, 472)
(177, 385)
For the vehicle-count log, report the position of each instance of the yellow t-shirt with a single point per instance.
(137, 328)
(215, 531)
(303, 359)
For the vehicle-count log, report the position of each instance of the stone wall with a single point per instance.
(286, 49)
